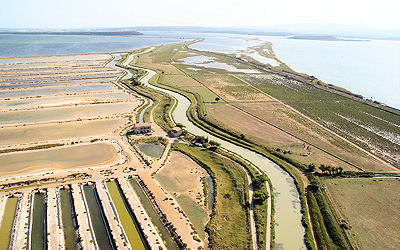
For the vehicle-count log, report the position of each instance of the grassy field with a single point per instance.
(124, 216)
(369, 127)
(7, 222)
(372, 208)
(228, 227)
(182, 176)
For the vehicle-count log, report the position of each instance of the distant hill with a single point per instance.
(322, 30)
(324, 38)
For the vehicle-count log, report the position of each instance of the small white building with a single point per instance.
(141, 128)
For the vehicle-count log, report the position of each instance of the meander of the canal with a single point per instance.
(289, 231)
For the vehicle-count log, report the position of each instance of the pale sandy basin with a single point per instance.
(65, 113)
(78, 156)
(47, 59)
(63, 100)
(56, 90)
(49, 132)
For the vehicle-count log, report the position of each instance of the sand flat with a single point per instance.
(49, 132)
(65, 113)
(68, 157)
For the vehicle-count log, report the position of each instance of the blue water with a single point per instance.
(44, 45)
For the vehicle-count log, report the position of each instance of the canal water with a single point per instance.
(97, 217)
(69, 225)
(39, 222)
(289, 231)
(7, 222)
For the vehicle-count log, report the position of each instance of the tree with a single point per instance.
(323, 168)
(217, 99)
(214, 143)
(180, 125)
(311, 167)
(258, 181)
(260, 196)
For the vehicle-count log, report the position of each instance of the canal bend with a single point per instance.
(289, 231)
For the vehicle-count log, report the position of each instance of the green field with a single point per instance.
(369, 127)
(371, 207)
(7, 222)
(128, 224)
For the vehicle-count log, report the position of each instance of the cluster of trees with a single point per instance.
(330, 169)
(260, 193)
(325, 169)
(213, 145)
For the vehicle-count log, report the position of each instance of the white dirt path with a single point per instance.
(117, 230)
(85, 231)
(152, 236)
(55, 238)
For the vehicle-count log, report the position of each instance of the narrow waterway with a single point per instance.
(289, 231)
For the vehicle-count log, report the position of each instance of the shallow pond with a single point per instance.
(49, 132)
(64, 113)
(79, 156)
(68, 223)
(56, 90)
(151, 150)
(209, 62)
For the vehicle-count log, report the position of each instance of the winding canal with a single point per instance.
(289, 232)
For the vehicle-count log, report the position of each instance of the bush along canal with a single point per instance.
(7, 222)
(127, 217)
(69, 221)
(39, 222)
(97, 217)
(154, 214)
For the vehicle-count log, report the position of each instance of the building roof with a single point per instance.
(139, 125)
(176, 129)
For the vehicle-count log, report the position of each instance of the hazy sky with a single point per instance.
(382, 14)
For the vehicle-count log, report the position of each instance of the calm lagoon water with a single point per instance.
(43, 45)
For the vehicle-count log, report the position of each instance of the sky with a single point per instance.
(382, 14)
